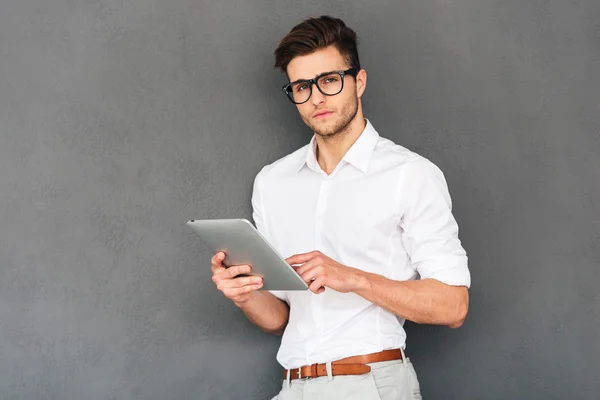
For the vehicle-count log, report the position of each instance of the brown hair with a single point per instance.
(316, 33)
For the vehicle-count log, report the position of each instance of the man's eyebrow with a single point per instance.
(321, 74)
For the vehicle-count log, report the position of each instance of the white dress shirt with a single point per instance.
(385, 210)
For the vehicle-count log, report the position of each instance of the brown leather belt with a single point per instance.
(355, 365)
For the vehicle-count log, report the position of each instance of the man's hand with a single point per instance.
(236, 288)
(320, 271)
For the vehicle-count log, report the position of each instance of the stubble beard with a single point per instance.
(337, 130)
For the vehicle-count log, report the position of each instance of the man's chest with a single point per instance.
(340, 216)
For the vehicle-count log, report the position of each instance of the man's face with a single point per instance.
(326, 115)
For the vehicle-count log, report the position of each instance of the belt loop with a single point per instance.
(289, 378)
(329, 371)
(403, 357)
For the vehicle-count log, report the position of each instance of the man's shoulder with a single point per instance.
(284, 166)
(391, 153)
(413, 168)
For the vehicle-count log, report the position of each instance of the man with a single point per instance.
(365, 222)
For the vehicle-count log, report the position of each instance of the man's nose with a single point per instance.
(317, 97)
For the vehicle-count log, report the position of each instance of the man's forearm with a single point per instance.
(267, 312)
(425, 301)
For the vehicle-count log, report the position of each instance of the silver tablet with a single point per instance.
(244, 244)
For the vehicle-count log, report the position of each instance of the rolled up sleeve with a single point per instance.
(429, 230)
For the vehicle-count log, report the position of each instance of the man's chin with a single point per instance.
(325, 133)
(325, 128)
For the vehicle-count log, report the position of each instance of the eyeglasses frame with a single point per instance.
(351, 71)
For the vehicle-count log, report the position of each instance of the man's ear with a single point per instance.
(361, 82)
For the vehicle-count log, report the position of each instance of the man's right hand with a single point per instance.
(239, 289)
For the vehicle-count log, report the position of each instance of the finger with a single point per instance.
(232, 292)
(314, 262)
(217, 262)
(218, 257)
(312, 274)
(302, 258)
(216, 269)
(318, 285)
(231, 272)
(239, 282)
(236, 270)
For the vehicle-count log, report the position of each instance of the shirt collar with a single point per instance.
(359, 155)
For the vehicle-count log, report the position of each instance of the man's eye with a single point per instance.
(300, 88)
(330, 79)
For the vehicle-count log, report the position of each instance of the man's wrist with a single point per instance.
(246, 301)
(362, 282)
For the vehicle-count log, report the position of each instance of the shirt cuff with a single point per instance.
(451, 272)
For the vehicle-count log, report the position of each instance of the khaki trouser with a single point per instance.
(388, 380)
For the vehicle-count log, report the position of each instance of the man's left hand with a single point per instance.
(320, 271)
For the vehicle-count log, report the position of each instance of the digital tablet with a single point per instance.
(242, 243)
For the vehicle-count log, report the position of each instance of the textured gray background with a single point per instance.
(120, 120)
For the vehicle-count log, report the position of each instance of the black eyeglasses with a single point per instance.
(329, 83)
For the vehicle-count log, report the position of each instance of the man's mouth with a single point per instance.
(322, 114)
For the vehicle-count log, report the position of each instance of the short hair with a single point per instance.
(313, 34)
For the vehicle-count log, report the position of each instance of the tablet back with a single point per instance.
(243, 244)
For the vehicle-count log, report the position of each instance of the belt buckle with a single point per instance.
(299, 372)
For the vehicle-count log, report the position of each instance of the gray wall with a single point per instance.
(120, 120)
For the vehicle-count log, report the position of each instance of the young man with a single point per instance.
(366, 223)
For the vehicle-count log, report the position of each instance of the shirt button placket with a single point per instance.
(320, 213)
(319, 220)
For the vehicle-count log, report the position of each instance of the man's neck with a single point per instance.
(330, 151)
